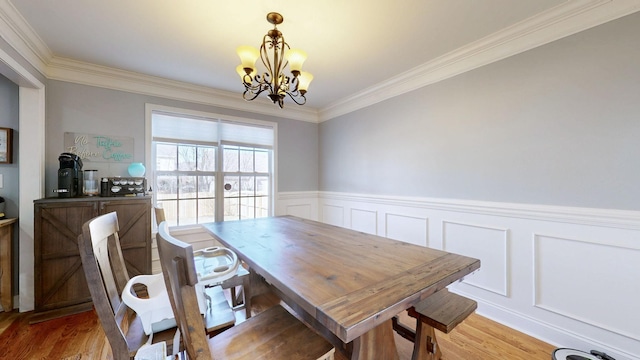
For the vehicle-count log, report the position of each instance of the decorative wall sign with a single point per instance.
(102, 148)
(6, 144)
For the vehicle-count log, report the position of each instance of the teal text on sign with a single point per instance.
(103, 148)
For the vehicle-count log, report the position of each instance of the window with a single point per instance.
(185, 182)
(207, 168)
(246, 182)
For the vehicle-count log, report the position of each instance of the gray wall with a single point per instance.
(92, 110)
(9, 106)
(557, 125)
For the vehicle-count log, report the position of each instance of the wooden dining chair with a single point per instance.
(239, 300)
(106, 276)
(271, 335)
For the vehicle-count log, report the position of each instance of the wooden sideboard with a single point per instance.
(6, 263)
(60, 285)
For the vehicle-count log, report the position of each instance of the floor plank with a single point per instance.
(80, 336)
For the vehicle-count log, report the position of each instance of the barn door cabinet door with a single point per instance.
(134, 219)
(60, 286)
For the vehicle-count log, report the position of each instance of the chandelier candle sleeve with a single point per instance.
(303, 81)
(248, 56)
(296, 58)
(275, 54)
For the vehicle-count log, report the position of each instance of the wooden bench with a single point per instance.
(443, 310)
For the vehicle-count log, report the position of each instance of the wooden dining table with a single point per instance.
(346, 284)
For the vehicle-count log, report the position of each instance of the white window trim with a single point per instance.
(150, 108)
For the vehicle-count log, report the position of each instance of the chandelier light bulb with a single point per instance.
(296, 58)
(248, 56)
(304, 79)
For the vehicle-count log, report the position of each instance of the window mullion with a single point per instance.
(219, 179)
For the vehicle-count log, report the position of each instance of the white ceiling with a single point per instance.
(353, 45)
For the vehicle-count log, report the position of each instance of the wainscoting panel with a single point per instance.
(568, 276)
(413, 230)
(303, 204)
(573, 277)
(365, 221)
(333, 215)
(488, 244)
(300, 210)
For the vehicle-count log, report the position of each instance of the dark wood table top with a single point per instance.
(349, 281)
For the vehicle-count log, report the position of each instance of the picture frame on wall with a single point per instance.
(6, 145)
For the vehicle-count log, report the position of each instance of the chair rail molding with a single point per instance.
(575, 215)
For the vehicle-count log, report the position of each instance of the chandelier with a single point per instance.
(275, 54)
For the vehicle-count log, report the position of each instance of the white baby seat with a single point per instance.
(213, 265)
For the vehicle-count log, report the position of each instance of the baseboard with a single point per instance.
(546, 332)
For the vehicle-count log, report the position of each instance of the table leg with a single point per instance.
(425, 347)
(377, 344)
(246, 294)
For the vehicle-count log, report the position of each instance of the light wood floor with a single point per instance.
(80, 337)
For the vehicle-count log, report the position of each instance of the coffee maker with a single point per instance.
(69, 176)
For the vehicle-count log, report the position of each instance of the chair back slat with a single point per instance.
(178, 267)
(97, 241)
(116, 259)
(160, 217)
(106, 247)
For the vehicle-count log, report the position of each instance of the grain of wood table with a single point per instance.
(346, 284)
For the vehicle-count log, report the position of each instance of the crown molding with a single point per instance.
(79, 72)
(563, 20)
(15, 30)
